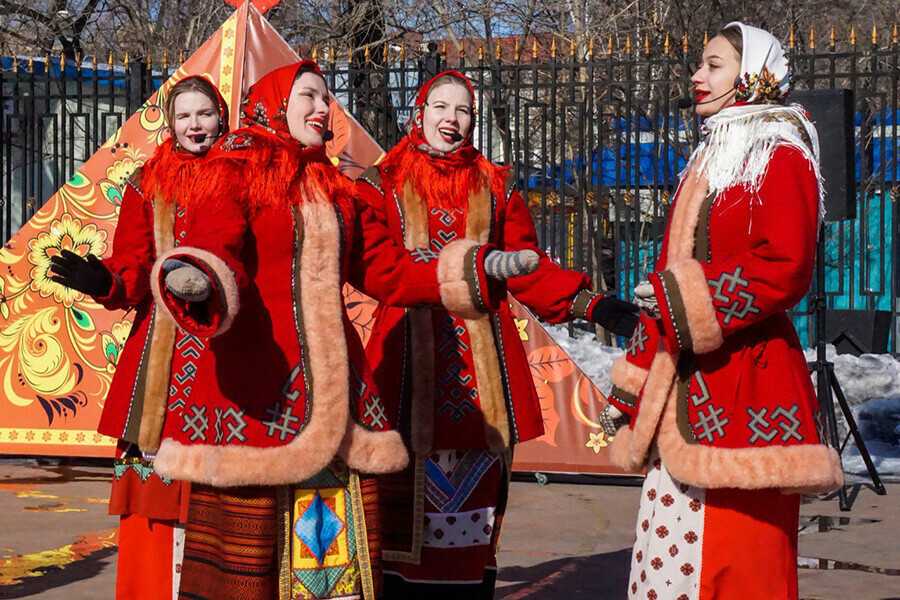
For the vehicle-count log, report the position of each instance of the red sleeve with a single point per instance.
(213, 242)
(702, 303)
(133, 252)
(554, 294)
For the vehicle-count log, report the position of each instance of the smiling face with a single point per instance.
(307, 109)
(195, 122)
(714, 80)
(447, 116)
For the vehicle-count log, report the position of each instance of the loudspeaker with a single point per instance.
(858, 331)
(832, 112)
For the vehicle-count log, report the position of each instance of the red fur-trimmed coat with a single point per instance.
(285, 387)
(720, 382)
(149, 219)
(402, 345)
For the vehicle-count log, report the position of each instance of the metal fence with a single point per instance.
(593, 136)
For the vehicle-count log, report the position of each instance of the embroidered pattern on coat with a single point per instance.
(450, 482)
(781, 419)
(709, 425)
(725, 288)
(638, 340)
(188, 349)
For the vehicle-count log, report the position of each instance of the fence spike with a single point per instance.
(853, 35)
(315, 52)
(47, 62)
(403, 49)
(516, 54)
(705, 38)
(685, 45)
(628, 44)
(874, 34)
(553, 48)
(79, 59)
(126, 59)
(443, 48)
(384, 52)
(609, 46)
(16, 64)
(666, 45)
(462, 49)
(646, 43)
(149, 62)
(895, 33)
(366, 54)
(572, 48)
(481, 51)
(62, 63)
(812, 38)
(31, 65)
(534, 48)
(181, 57)
(832, 37)
(299, 50)
(791, 42)
(350, 55)
(165, 59)
(591, 47)
(331, 53)
(497, 54)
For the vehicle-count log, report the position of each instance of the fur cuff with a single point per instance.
(223, 305)
(464, 289)
(628, 381)
(687, 310)
(374, 452)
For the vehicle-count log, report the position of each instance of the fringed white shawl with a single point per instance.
(739, 141)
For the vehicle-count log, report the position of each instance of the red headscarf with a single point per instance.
(272, 158)
(172, 168)
(442, 179)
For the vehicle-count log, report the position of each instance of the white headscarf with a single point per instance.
(739, 140)
(762, 51)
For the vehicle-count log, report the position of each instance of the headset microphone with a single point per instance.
(685, 102)
(456, 136)
(327, 135)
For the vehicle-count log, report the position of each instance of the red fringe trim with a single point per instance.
(269, 172)
(441, 184)
(169, 173)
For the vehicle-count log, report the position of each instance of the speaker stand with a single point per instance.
(828, 388)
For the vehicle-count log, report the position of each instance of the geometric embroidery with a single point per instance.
(318, 527)
(711, 424)
(448, 491)
(198, 422)
(184, 368)
(282, 421)
(704, 395)
(454, 375)
(637, 341)
(451, 338)
(458, 411)
(740, 307)
(423, 255)
(235, 426)
(374, 412)
(766, 430)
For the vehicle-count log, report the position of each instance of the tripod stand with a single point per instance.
(827, 384)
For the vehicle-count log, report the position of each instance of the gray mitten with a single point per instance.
(646, 299)
(505, 265)
(186, 281)
(612, 419)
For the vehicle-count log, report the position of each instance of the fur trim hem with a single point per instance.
(696, 308)
(375, 452)
(156, 385)
(491, 396)
(799, 468)
(627, 376)
(225, 283)
(459, 289)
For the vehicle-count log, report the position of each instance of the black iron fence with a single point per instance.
(593, 136)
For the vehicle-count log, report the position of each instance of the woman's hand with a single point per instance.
(506, 265)
(646, 299)
(84, 274)
(616, 316)
(612, 419)
(186, 281)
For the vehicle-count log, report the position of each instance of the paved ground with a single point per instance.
(560, 541)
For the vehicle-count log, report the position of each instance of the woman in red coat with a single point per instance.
(717, 386)
(460, 389)
(157, 362)
(283, 404)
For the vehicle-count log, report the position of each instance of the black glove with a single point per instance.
(84, 274)
(616, 316)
